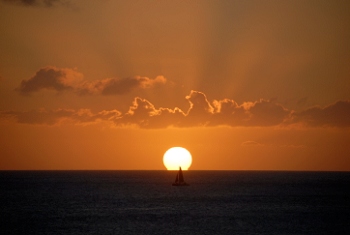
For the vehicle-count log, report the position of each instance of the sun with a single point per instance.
(177, 157)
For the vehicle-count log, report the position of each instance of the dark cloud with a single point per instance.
(266, 113)
(334, 115)
(45, 3)
(50, 78)
(65, 79)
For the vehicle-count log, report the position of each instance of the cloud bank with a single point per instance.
(65, 79)
(201, 112)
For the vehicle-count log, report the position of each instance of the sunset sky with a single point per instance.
(243, 85)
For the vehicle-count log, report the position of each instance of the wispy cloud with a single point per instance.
(42, 3)
(66, 79)
(52, 117)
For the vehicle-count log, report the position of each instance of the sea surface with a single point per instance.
(145, 202)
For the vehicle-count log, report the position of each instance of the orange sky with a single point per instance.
(243, 85)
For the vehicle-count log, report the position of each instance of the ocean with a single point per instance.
(145, 202)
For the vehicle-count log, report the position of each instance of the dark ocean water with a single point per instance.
(144, 202)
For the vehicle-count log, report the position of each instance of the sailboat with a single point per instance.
(179, 180)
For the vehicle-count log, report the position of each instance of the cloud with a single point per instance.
(65, 79)
(51, 78)
(44, 3)
(52, 117)
(265, 113)
(258, 113)
(201, 112)
(113, 86)
(334, 115)
(250, 143)
(143, 114)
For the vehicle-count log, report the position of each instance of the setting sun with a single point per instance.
(177, 157)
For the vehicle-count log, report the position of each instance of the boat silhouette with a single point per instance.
(179, 180)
